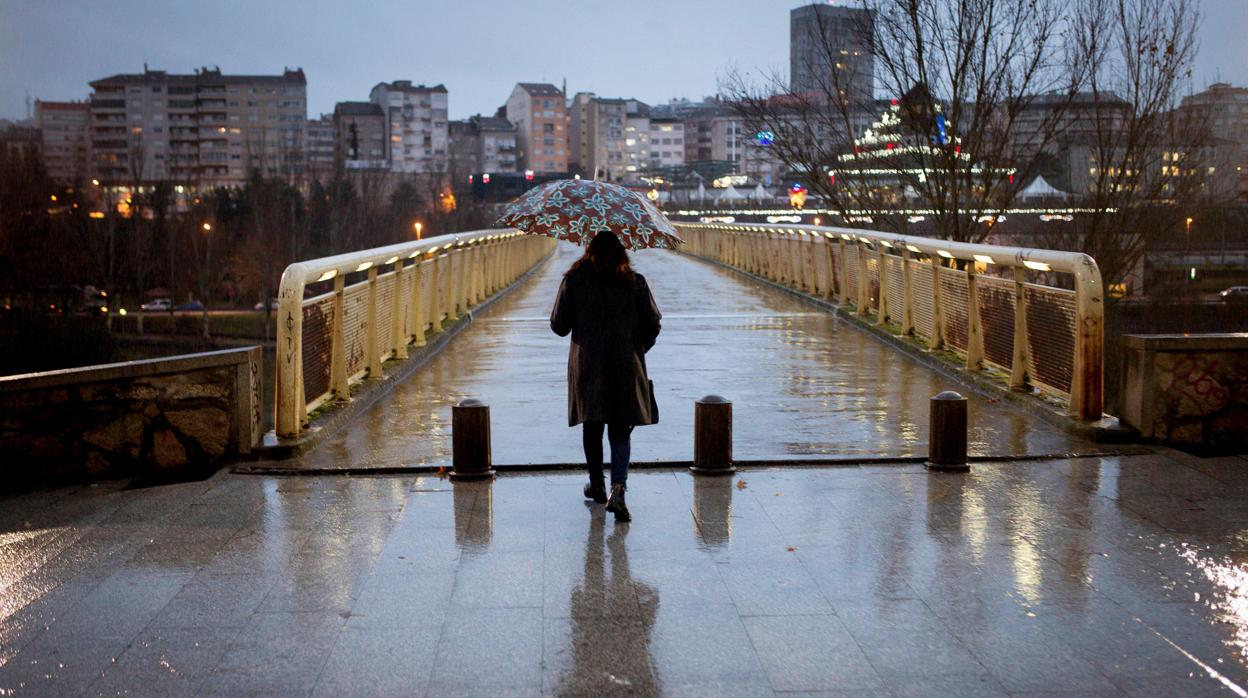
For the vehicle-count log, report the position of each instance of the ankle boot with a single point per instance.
(616, 504)
(596, 491)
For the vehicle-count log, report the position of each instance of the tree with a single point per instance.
(1145, 161)
(964, 79)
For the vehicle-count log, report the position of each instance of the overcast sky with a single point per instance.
(650, 49)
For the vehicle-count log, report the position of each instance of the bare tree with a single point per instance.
(1139, 155)
(963, 79)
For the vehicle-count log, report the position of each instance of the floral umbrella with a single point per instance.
(578, 209)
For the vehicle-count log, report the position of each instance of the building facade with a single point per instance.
(207, 129)
(483, 144)
(320, 149)
(539, 112)
(596, 136)
(830, 51)
(360, 134)
(1221, 110)
(65, 134)
(416, 126)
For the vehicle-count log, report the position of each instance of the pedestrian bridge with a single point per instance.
(806, 383)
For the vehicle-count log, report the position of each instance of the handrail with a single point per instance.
(426, 283)
(866, 256)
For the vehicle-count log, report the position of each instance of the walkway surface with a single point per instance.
(1096, 576)
(803, 382)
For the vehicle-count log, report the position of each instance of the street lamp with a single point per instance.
(1189, 230)
(207, 227)
(417, 226)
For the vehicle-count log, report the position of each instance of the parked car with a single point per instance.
(156, 305)
(192, 305)
(1235, 294)
(272, 305)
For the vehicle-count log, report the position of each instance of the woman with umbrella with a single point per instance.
(610, 313)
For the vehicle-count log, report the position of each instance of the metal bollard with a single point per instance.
(470, 441)
(946, 437)
(712, 436)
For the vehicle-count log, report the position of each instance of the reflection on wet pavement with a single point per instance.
(802, 382)
(1121, 575)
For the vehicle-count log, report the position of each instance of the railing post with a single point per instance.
(1087, 382)
(289, 404)
(974, 334)
(907, 292)
(372, 352)
(459, 260)
(447, 277)
(1018, 363)
(938, 311)
(415, 320)
(864, 283)
(399, 314)
(842, 290)
(809, 262)
(338, 379)
(885, 306)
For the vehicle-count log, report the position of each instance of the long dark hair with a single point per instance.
(607, 257)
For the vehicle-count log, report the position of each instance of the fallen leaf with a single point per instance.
(740, 484)
(443, 471)
(792, 549)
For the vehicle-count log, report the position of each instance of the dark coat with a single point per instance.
(613, 325)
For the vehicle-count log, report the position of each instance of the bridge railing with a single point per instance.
(340, 317)
(994, 311)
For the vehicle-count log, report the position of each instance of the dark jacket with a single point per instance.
(613, 325)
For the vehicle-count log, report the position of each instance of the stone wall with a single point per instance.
(1188, 391)
(171, 418)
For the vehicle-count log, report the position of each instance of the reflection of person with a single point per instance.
(614, 321)
(601, 605)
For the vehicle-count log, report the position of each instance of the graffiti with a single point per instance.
(1197, 383)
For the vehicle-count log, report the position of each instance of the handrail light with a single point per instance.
(984, 258)
(1038, 266)
(944, 254)
(364, 266)
(326, 276)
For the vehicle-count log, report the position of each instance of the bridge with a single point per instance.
(833, 561)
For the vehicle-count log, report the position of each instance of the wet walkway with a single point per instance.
(803, 383)
(1091, 576)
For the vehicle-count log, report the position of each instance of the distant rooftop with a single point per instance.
(205, 75)
(358, 109)
(407, 86)
(540, 89)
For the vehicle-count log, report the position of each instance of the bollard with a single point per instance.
(470, 441)
(946, 437)
(712, 436)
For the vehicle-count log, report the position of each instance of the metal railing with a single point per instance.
(1044, 337)
(397, 295)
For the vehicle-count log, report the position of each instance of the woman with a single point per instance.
(614, 321)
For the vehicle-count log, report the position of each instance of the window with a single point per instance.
(156, 89)
(548, 128)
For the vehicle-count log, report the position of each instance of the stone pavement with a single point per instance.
(1108, 575)
(803, 382)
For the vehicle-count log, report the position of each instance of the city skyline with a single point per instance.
(51, 53)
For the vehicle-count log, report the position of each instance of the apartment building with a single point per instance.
(483, 144)
(539, 112)
(596, 136)
(360, 135)
(320, 149)
(830, 51)
(206, 129)
(1221, 111)
(417, 135)
(66, 139)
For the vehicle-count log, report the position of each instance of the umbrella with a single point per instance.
(730, 194)
(701, 193)
(577, 209)
(760, 194)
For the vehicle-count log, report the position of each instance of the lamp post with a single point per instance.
(418, 226)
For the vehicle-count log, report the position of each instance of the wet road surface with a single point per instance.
(1096, 576)
(803, 383)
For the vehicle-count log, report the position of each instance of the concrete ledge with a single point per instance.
(167, 419)
(1105, 430)
(336, 414)
(1188, 391)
